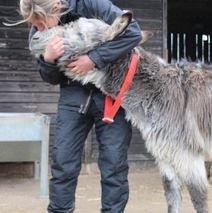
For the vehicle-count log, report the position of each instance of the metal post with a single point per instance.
(44, 180)
(184, 45)
(172, 54)
(204, 38)
(197, 54)
(36, 169)
(178, 47)
(209, 48)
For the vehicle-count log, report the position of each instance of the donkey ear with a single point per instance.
(128, 14)
(119, 25)
(145, 36)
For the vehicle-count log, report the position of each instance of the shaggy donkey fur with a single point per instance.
(171, 105)
(80, 36)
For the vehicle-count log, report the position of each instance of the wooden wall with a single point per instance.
(151, 15)
(22, 89)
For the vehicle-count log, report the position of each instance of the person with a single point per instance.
(80, 107)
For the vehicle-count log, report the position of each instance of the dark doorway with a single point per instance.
(189, 30)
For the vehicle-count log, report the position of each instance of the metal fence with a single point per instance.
(189, 46)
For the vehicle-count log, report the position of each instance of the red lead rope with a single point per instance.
(112, 108)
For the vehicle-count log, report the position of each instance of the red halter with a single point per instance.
(112, 108)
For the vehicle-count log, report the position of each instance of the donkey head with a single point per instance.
(39, 41)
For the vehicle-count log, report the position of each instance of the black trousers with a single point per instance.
(113, 139)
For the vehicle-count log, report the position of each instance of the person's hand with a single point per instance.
(81, 64)
(54, 49)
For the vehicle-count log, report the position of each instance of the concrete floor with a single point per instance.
(146, 195)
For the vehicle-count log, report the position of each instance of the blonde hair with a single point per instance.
(39, 9)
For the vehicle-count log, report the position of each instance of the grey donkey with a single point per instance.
(171, 105)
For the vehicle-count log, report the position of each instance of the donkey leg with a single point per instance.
(172, 186)
(197, 186)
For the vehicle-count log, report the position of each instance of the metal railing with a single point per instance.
(189, 46)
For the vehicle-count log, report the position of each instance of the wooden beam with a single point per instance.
(164, 30)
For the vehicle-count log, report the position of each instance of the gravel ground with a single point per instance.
(146, 195)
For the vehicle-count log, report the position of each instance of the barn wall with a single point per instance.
(150, 15)
(22, 89)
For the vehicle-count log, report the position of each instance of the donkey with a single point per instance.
(171, 105)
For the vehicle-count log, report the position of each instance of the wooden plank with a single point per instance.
(138, 4)
(147, 14)
(29, 97)
(18, 66)
(20, 76)
(15, 19)
(11, 3)
(14, 33)
(9, 14)
(150, 24)
(14, 44)
(27, 86)
(165, 31)
(9, 11)
(15, 54)
(29, 107)
(155, 41)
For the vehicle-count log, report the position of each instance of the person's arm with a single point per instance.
(49, 72)
(112, 50)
